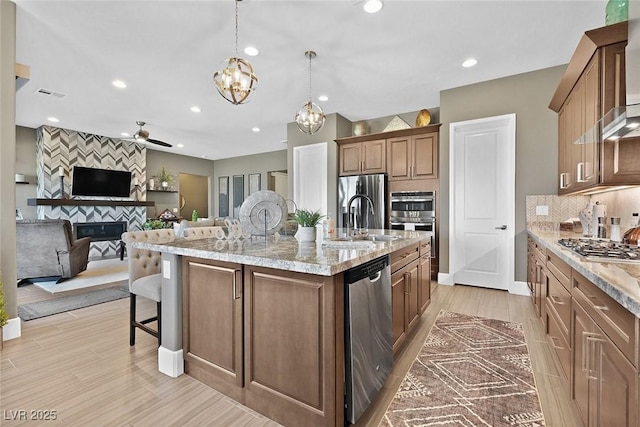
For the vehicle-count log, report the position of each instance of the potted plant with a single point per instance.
(307, 221)
(166, 178)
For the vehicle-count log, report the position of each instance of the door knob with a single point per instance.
(504, 227)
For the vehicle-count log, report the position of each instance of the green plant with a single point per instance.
(307, 218)
(165, 175)
(154, 224)
(4, 318)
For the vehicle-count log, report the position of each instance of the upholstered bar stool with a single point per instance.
(145, 278)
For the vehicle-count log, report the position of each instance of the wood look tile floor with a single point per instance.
(80, 365)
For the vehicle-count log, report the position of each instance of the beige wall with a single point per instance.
(175, 164)
(335, 127)
(245, 165)
(527, 95)
(8, 155)
(26, 165)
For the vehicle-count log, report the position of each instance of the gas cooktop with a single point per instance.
(602, 250)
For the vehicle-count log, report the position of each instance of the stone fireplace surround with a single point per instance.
(56, 147)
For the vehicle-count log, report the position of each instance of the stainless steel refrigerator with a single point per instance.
(375, 187)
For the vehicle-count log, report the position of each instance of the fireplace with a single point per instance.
(101, 231)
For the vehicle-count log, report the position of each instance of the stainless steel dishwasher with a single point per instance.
(368, 334)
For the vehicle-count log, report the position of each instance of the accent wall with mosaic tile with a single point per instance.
(65, 148)
(560, 208)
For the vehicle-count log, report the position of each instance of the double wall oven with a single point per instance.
(414, 210)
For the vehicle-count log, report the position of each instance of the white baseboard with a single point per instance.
(12, 329)
(445, 279)
(519, 288)
(170, 362)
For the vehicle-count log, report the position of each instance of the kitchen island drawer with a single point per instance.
(404, 256)
(559, 300)
(560, 269)
(619, 324)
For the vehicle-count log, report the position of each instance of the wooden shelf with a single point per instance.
(162, 191)
(390, 134)
(75, 202)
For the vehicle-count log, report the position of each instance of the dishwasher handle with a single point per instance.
(375, 277)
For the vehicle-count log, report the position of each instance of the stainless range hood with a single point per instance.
(624, 122)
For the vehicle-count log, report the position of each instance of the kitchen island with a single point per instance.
(262, 321)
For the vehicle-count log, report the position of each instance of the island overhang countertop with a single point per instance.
(324, 258)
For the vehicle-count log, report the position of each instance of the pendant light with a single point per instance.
(310, 118)
(236, 81)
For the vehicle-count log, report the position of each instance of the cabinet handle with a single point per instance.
(593, 340)
(553, 340)
(596, 302)
(233, 286)
(580, 173)
(407, 281)
(556, 300)
(563, 180)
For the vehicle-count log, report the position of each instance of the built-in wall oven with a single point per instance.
(414, 210)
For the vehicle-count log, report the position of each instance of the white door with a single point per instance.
(482, 201)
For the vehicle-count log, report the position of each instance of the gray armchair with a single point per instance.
(46, 248)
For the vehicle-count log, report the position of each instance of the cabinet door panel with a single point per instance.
(212, 322)
(399, 158)
(424, 279)
(398, 308)
(413, 304)
(425, 156)
(590, 118)
(350, 159)
(621, 163)
(616, 398)
(582, 327)
(374, 156)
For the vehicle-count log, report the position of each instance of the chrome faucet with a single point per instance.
(349, 223)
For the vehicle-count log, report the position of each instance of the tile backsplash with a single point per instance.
(558, 209)
(620, 203)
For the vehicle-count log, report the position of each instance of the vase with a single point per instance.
(165, 184)
(616, 11)
(306, 234)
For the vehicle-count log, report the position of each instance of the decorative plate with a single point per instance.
(263, 211)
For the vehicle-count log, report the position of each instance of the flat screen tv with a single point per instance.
(100, 182)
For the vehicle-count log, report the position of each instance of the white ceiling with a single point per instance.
(369, 66)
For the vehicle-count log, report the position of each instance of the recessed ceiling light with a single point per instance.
(633, 125)
(203, 156)
(469, 62)
(323, 98)
(196, 109)
(124, 134)
(53, 119)
(372, 6)
(180, 145)
(255, 129)
(251, 51)
(119, 84)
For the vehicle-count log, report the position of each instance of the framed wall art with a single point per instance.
(254, 183)
(238, 194)
(223, 196)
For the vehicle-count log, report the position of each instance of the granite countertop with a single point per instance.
(286, 253)
(621, 281)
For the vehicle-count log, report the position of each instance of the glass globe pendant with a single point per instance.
(236, 80)
(310, 118)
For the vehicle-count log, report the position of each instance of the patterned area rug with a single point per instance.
(471, 371)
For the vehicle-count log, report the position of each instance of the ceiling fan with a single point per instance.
(142, 135)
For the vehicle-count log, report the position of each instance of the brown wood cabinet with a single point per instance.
(413, 157)
(294, 346)
(212, 324)
(405, 306)
(592, 85)
(604, 385)
(594, 341)
(424, 275)
(365, 157)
